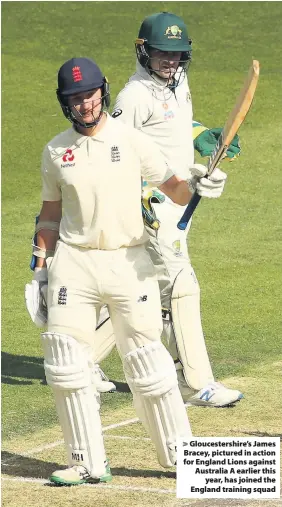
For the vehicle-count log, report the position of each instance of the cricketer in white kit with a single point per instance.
(157, 101)
(91, 216)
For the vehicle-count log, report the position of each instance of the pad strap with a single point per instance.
(166, 314)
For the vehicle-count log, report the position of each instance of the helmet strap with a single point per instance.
(143, 55)
(81, 123)
(69, 115)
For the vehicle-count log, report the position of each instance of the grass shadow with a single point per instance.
(17, 465)
(122, 387)
(16, 368)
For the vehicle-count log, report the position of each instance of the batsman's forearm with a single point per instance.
(182, 194)
(177, 190)
(47, 231)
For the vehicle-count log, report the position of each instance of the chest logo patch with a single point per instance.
(115, 154)
(67, 158)
(169, 115)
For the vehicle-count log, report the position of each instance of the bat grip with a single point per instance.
(183, 222)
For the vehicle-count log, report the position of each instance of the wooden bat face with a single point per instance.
(231, 127)
(236, 117)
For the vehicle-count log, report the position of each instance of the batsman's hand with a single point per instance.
(212, 186)
(206, 141)
(36, 297)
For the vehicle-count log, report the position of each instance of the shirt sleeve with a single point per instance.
(50, 186)
(154, 168)
(133, 105)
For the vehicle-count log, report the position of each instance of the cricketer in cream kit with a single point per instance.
(157, 101)
(92, 185)
(121, 157)
(163, 114)
(166, 116)
(100, 252)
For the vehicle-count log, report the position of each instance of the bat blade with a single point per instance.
(230, 129)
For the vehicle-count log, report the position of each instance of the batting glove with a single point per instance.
(212, 186)
(205, 142)
(36, 297)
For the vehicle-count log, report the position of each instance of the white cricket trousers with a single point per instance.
(82, 280)
(169, 253)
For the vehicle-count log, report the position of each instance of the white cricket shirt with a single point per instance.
(99, 181)
(164, 115)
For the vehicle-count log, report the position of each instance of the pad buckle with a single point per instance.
(166, 314)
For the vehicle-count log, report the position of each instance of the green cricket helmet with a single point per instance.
(164, 31)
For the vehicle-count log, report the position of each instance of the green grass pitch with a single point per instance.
(235, 242)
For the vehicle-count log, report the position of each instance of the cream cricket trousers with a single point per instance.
(81, 281)
(169, 253)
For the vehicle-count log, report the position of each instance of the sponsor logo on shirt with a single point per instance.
(169, 115)
(116, 113)
(68, 157)
(176, 248)
(142, 299)
(115, 154)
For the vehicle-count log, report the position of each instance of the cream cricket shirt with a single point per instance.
(99, 181)
(162, 114)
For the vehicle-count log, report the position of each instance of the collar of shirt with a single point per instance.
(154, 82)
(101, 136)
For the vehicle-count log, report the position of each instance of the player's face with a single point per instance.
(87, 105)
(164, 63)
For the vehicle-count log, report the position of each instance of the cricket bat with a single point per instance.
(231, 127)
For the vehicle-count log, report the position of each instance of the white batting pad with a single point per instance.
(151, 376)
(187, 327)
(68, 372)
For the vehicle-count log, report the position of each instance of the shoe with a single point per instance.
(103, 384)
(215, 395)
(78, 474)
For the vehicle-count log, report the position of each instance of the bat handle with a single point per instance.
(183, 222)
